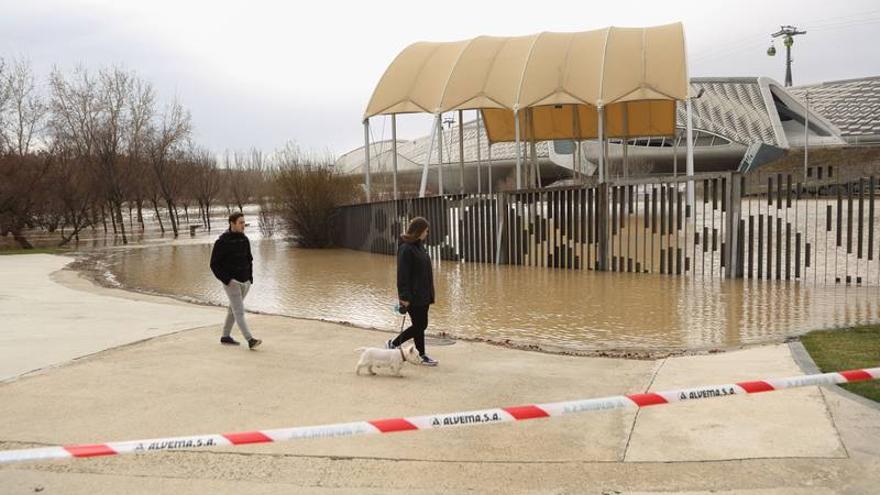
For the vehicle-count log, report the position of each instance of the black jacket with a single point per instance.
(415, 276)
(231, 258)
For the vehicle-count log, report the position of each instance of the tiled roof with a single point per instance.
(852, 105)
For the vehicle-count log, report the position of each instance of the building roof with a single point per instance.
(733, 107)
(853, 105)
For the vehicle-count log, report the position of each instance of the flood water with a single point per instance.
(572, 310)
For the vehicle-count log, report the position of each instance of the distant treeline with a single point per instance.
(94, 150)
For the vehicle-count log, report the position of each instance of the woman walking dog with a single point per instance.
(415, 286)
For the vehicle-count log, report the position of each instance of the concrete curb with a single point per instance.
(805, 362)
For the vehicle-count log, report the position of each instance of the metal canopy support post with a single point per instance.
(690, 152)
(394, 151)
(533, 152)
(623, 142)
(424, 185)
(479, 160)
(602, 157)
(675, 152)
(367, 158)
(461, 151)
(440, 190)
(577, 159)
(518, 150)
(489, 158)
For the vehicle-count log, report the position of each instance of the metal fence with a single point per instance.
(768, 226)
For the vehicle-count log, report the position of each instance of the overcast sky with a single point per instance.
(260, 73)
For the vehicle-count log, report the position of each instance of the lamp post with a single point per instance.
(787, 33)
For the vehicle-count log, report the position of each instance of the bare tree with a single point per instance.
(169, 134)
(207, 181)
(243, 178)
(110, 132)
(141, 109)
(22, 118)
(73, 194)
(25, 110)
(73, 119)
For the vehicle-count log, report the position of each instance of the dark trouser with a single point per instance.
(416, 331)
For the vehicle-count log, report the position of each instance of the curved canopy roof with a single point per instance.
(599, 68)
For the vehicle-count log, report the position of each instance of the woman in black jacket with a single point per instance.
(415, 286)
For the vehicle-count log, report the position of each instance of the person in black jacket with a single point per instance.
(415, 286)
(232, 264)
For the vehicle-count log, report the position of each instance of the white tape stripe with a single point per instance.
(464, 418)
(579, 406)
(477, 417)
(323, 431)
(7, 456)
(177, 443)
(806, 381)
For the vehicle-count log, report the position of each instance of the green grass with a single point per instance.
(846, 349)
(33, 251)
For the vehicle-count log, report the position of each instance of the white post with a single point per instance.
(489, 157)
(440, 154)
(461, 151)
(806, 134)
(625, 140)
(601, 145)
(576, 153)
(675, 152)
(394, 150)
(690, 152)
(533, 153)
(479, 161)
(518, 153)
(367, 157)
(424, 184)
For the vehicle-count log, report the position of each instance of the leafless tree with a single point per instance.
(22, 118)
(73, 195)
(207, 181)
(141, 109)
(23, 111)
(244, 175)
(165, 141)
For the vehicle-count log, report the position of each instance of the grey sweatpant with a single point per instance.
(236, 291)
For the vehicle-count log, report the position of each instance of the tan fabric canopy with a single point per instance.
(636, 74)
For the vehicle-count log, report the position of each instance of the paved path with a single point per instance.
(797, 442)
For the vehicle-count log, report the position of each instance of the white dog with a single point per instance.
(385, 358)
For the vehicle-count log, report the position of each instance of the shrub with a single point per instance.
(308, 190)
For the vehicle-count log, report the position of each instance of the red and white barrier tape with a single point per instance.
(469, 418)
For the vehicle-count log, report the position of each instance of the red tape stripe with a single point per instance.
(755, 387)
(526, 412)
(644, 400)
(94, 450)
(244, 437)
(856, 375)
(393, 424)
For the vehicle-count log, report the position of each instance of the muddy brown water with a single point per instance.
(556, 309)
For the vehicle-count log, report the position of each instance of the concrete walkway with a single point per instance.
(44, 323)
(796, 442)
